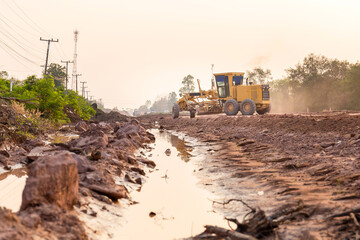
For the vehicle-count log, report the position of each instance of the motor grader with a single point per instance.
(231, 95)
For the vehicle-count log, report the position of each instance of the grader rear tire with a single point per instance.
(247, 107)
(231, 107)
(175, 110)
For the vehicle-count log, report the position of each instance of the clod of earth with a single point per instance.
(168, 152)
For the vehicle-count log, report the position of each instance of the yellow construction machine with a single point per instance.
(232, 95)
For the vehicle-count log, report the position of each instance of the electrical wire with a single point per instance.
(35, 24)
(13, 39)
(17, 53)
(57, 47)
(3, 16)
(15, 58)
(17, 14)
(33, 47)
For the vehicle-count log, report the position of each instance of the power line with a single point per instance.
(35, 35)
(19, 54)
(30, 18)
(15, 58)
(20, 35)
(42, 31)
(27, 22)
(19, 44)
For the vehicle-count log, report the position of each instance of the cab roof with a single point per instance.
(229, 74)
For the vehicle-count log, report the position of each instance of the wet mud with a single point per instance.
(170, 204)
(276, 161)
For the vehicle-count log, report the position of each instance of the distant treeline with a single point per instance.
(317, 84)
(161, 105)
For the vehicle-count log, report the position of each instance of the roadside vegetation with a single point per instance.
(43, 97)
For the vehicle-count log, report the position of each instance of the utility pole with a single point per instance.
(83, 89)
(48, 48)
(76, 77)
(87, 95)
(76, 33)
(67, 67)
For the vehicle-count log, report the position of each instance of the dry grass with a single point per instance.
(33, 116)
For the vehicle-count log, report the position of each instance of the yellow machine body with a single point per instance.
(233, 93)
(231, 85)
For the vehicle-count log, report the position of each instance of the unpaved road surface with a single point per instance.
(275, 160)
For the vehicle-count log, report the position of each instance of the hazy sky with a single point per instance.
(131, 51)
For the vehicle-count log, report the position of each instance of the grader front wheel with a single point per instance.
(192, 113)
(231, 107)
(175, 110)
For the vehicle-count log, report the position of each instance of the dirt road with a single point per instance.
(277, 161)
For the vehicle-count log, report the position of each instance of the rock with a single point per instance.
(168, 152)
(91, 139)
(138, 181)
(37, 152)
(124, 144)
(138, 170)
(114, 194)
(83, 164)
(30, 144)
(52, 179)
(327, 144)
(5, 161)
(244, 143)
(318, 147)
(148, 162)
(131, 160)
(11, 227)
(81, 126)
(31, 221)
(95, 155)
(129, 178)
(5, 153)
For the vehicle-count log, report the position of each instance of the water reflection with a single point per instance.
(12, 184)
(170, 205)
(184, 150)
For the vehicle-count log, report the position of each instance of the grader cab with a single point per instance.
(232, 95)
(239, 95)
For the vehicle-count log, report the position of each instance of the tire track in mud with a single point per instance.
(272, 165)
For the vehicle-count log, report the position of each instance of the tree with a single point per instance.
(58, 72)
(259, 75)
(4, 74)
(188, 85)
(160, 105)
(172, 98)
(318, 80)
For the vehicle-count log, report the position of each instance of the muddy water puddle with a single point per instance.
(12, 184)
(170, 204)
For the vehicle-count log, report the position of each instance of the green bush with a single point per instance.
(48, 99)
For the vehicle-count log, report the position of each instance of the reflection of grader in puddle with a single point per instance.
(180, 145)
